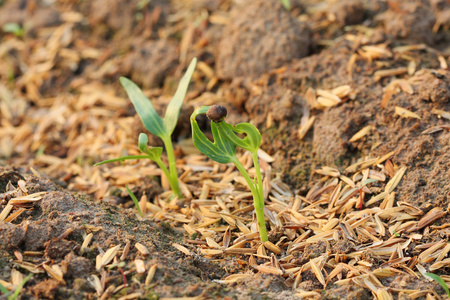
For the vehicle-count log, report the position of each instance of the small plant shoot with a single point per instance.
(161, 127)
(439, 280)
(223, 150)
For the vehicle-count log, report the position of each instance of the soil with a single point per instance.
(62, 109)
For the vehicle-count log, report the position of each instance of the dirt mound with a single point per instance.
(261, 36)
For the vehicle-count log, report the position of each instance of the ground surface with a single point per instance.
(342, 92)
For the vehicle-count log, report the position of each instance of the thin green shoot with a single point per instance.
(440, 281)
(13, 28)
(286, 4)
(223, 150)
(3, 289)
(14, 296)
(161, 127)
(135, 200)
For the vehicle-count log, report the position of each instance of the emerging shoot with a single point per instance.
(161, 127)
(223, 150)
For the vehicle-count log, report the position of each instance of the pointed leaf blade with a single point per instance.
(121, 159)
(144, 107)
(173, 109)
(440, 281)
(135, 201)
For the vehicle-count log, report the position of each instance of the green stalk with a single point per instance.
(172, 175)
(258, 200)
(258, 176)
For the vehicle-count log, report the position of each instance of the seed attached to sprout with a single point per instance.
(216, 113)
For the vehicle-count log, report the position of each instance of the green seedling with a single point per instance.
(286, 4)
(135, 201)
(161, 127)
(13, 28)
(440, 281)
(223, 150)
(14, 296)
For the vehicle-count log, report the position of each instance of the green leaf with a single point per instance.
(135, 200)
(440, 281)
(222, 150)
(3, 289)
(250, 142)
(13, 28)
(144, 107)
(154, 153)
(122, 159)
(286, 4)
(19, 288)
(173, 109)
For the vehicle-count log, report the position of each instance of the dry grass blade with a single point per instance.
(404, 113)
(429, 218)
(234, 278)
(182, 249)
(270, 246)
(360, 134)
(95, 281)
(327, 102)
(424, 256)
(311, 97)
(108, 256)
(133, 296)
(384, 295)
(390, 186)
(377, 51)
(439, 265)
(268, 270)
(14, 215)
(307, 295)
(16, 277)
(378, 75)
(142, 249)
(86, 242)
(125, 251)
(240, 250)
(304, 128)
(211, 252)
(442, 113)
(29, 267)
(5, 212)
(150, 275)
(55, 273)
(140, 266)
(28, 199)
(342, 91)
(315, 269)
(212, 244)
(265, 156)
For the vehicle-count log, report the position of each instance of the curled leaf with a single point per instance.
(250, 142)
(154, 153)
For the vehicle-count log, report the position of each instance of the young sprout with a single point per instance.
(286, 4)
(161, 127)
(440, 281)
(223, 150)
